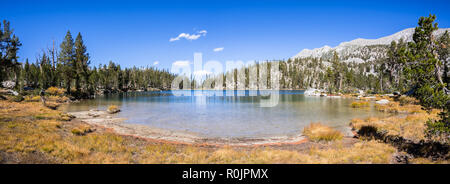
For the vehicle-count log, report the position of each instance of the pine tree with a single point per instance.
(330, 79)
(66, 60)
(423, 69)
(45, 72)
(82, 65)
(337, 67)
(9, 46)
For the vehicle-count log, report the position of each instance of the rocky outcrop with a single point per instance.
(382, 102)
(8, 84)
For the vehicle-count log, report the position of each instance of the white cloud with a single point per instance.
(180, 63)
(203, 32)
(218, 49)
(156, 63)
(188, 36)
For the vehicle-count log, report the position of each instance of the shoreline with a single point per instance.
(106, 120)
(99, 137)
(102, 118)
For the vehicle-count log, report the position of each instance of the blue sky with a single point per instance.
(139, 32)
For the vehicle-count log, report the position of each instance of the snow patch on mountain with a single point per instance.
(348, 50)
(315, 52)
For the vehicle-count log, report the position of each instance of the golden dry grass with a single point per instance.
(29, 128)
(113, 109)
(381, 97)
(360, 153)
(52, 98)
(82, 130)
(368, 98)
(52, 105)
(395, 107)
(404, 100)
(58, 99)
(428, 161)
(319, 132)
(359, 104)
(411, 126)
(66, 117)
(349, 95)
(17, 110)
(32, 98)
(55, 91)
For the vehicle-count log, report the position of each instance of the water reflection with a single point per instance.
(216, 113)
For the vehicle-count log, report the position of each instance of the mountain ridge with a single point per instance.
(345, 49)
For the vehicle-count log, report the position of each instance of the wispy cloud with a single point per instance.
(203, 32)
(218, 49)
(188, 36)
(156, 63)
(180, 63)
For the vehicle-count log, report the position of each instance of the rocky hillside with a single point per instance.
(356, 66)
(361, 50)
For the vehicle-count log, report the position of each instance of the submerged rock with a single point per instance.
(113, 109)
(382, 102)
(312, 92)
(93, 115)
(9, 92)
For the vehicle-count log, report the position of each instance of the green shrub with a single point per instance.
(368, 131)
(17, 98)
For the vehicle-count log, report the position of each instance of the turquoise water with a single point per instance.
(229, 114)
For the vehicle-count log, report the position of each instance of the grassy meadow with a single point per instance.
(33, 133)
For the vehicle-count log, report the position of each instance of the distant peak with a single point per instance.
(405, 34)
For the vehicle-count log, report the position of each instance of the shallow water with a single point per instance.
(229, 114)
